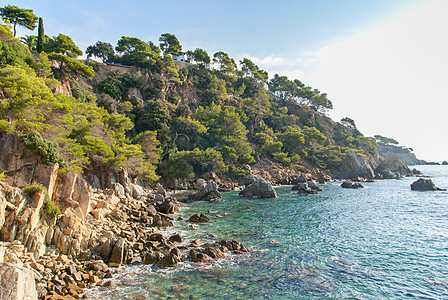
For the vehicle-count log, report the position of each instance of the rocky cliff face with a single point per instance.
(404, 154)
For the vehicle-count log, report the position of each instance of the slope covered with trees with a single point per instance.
(157, 117)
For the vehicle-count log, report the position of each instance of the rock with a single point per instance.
(175, 238)
(197, 256)
(355, 165)
(151, 258)
(388, 174)
(261, 188)
(417, 172)
(169, 260)
(16, 283)
(233, 245)
(97, 265)
(213, 252)
(168, 207)
(425, 185)
(445, 163)
(118, 254)
(161, 191)
(110, 283)
(199, 218)
(207, 192)
(395, 166)
(137, 191)
(348, 184)
(307, 187)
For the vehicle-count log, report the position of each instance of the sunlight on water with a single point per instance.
(381, 242)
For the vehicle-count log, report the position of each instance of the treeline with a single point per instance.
(165, 120)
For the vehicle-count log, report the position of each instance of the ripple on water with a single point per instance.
(382, 242)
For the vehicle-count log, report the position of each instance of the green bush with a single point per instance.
(48, 150)
(2, 176)
(52, 209)
(33, 189)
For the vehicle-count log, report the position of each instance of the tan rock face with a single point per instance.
(22, 166)
(16, 283)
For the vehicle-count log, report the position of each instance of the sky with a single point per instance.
(381, 62)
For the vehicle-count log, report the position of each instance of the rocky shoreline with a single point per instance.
(117, 232)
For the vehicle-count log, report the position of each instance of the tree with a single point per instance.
(40, 36)
(63, 44)
(348, 122)
(199, 55)
(136, 52)
(29, 41)
(102, 50)
(170, 44)
(252, 70)
(18, 16)
(226, 64)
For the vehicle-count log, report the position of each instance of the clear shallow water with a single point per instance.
(381, 242)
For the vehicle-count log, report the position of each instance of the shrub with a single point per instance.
(52, 209)
(2, 176)
(33, 189)
(48, 150)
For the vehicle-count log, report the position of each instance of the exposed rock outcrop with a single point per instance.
(355, 165)
(305, 186)
(260, 188)
(348, 184)
(392, 168)
(16, 283)
(206, 191)
(424, 185)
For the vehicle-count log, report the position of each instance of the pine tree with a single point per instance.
(40, 36)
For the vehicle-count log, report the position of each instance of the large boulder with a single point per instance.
(424, 185)
(355, 165)
(16, 283)
(351, 185)
(307, 187)
(395, 166)
(206, 191)
(261, 188)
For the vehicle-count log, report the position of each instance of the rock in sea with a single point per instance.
(425, 185)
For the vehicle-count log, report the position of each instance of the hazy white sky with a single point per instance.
(391, 78)
(382, 63)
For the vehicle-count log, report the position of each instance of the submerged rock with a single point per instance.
(425, 185)
(351, 185)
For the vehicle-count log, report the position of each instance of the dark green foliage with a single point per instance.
(170, 44)
(19, 16)
(385, 140)
(72, 65)
(40, 36)
(200, 56)
(46, 149)
(185, 164)
(102, 50)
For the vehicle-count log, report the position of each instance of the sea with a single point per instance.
(381, 242)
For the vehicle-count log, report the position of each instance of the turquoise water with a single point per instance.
(381, 242)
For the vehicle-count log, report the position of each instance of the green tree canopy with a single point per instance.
(200, 56)
(225, 63)
(18, 16)
(102, 50)
(170, 44)
(63, 44)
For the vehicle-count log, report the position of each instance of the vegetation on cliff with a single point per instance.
(161, 117)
